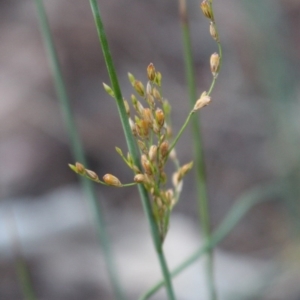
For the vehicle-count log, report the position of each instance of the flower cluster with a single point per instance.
(206, 7)
(151, 127)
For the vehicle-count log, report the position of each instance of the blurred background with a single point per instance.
(251, 138)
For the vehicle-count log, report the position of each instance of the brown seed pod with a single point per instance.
(112, 180)
(80, 168)
(214, 64)
(91, 174)
(151, 72)
(139, 178)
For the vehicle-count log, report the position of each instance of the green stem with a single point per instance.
(77, 147)
(131, 146)
(202, 198)
(24, 277)
(180, 132)
(220, 53)
(212, 86)
(129, 184)
(21, 266)
(239, 210)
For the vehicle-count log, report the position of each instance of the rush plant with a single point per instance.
(151, 130)
(147, 124)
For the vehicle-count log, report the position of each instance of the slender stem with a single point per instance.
(202, 198)
(129, 184)
(220, 65)
(24, 277)
(131, 146)
(212, 86)
(77, 147)
(21, 266)
(238, 211)
(180, 132)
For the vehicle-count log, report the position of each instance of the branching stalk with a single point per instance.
(202, 198)
(131, 146)
(77, 147)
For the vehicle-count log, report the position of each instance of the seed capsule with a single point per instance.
(136, 169)
(149, 88)
(140, 178)
(158, 78)
(108, 90)
(142, 128)
(139, 87)
(156, 93)
(146, 164)
(134, 100)
(147, 115)
(112, 180)
(173, 154)
(91, 174)
(80, 168)
(150, 100)
(185, 169)
(163, 177)
(127, 107)
(160, 117)
(202, 101)
(152, 153)
(214, 64)
(206, 9)
(164, 148)
(132, 126)
(129, 160)
(151, 72)
(177, 182)
(131, 78)
(213, 32)
(168, 195)
(139, 107)
(142, 146)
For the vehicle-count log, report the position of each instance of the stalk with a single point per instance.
(77, 148)
(242, 206)
(24, 278)
(20, 263)
(202, 198)
(131, 147)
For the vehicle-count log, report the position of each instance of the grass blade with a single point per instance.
(77, 148)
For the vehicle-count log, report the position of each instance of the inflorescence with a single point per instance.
(151, 127)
